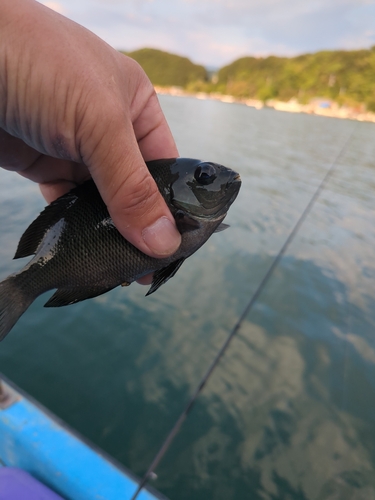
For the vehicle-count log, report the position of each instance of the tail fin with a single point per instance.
(13, 303)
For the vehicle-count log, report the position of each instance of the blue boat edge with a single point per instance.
(35, 440)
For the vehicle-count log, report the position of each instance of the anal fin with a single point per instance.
(67, 296)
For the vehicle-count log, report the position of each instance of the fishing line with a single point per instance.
(167, 442)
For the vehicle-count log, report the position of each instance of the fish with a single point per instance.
(79, 252)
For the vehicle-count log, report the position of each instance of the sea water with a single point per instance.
(289, 413)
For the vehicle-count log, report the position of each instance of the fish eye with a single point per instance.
(205, 173)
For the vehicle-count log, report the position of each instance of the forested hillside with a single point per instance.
(166, 69)
(347, 77)
(344, 76)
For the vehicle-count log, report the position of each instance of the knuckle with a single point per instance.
(137, 197)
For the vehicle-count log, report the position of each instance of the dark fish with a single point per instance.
(79, 251)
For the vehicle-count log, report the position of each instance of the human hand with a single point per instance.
(71, 107)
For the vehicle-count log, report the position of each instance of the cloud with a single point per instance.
(215, 32)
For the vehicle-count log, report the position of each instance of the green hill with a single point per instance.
(166, 69)
(347, 77)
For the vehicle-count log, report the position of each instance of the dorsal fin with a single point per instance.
(34, 234)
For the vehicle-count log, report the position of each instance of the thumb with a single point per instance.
(137, 208)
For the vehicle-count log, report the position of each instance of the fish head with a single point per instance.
(202, 189)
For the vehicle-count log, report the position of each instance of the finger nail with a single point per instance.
(162, 237)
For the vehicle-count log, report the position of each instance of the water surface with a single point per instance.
(290, 411)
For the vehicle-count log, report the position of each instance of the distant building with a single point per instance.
(321, 102)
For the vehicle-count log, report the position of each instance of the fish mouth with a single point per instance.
(234, 180)
(234, 185)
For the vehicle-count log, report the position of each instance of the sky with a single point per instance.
(217, 32)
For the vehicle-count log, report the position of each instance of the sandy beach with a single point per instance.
(318, 106)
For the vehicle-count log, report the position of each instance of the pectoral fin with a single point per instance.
(185, 223)
(163, 275)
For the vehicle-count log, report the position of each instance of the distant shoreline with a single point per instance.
(315, 107)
